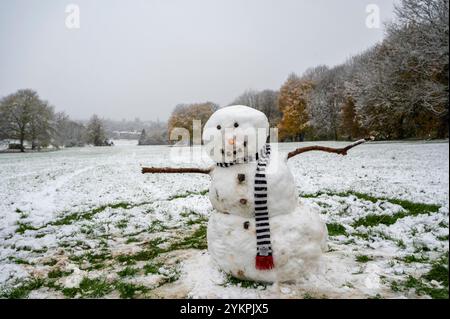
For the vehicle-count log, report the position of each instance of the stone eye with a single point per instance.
(236, 124)
(219, 127)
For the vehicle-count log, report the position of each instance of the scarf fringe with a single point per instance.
(264, 262)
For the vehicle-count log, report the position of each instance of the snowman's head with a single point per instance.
(235, 133)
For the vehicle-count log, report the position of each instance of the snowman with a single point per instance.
(259, 229)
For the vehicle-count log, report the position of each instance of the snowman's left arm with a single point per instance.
(340, 151)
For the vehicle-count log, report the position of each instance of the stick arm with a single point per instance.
(172, 170)
(339, 151)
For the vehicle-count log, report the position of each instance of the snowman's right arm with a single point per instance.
(172, 170)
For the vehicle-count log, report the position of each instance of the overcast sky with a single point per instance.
(139, 58)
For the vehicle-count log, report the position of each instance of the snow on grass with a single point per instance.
(85, 223)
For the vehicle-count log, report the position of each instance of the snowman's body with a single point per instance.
(297, 233)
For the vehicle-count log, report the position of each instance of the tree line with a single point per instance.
(24, 116)
(397, 89)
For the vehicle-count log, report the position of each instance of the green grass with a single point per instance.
(95, 260)
(197, 240)
(230, 280)
(121, 224)
(128, 290)
(363, 258)
(152, 268)
(93, 288)
(410, 208)
(335, 229)
(187, 194)
(423, 286)
(58, 273)
(23, 227)
(150, 251)
(413, 259)
(23, 290)
(157, 226)
(88, 215)
(19, 261)
(128, 271)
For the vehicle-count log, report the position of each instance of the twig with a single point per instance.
(153, 170)
(340, 151)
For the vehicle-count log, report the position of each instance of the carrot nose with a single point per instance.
(231, 141)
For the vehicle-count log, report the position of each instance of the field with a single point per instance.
(85, 223)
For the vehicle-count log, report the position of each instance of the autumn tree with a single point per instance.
(184, 114)
(293, 103)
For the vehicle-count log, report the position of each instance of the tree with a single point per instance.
(326, 99)
(41, 127)
(25, 116)
(292, 102)
(350, 126)
(265, 101)
(66, 132)
(184, 114)
(420, 36)
(142, 137)
(95, 133)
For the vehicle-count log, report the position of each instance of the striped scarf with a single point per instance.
(264, 258)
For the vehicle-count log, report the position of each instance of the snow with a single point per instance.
(42, 192)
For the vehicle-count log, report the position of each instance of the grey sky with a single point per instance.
(139, 58)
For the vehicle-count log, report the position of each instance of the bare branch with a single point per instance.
(340, 151)
(166, 170)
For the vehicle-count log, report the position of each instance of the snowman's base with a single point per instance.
(298, 240)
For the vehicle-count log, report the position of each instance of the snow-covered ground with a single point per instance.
(84, 222)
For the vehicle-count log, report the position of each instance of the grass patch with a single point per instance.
(152, 268)
(157, 226)
(197, 240)
(363, 258)
(19, 261)
(187, 194)
(23, 227)
(151, 251)
(128, 271)
(413, 259)
(95, 260)
(410, 208)
(423, 285)
(90, 288)
(128, 290)
(335, 229)
(230, 280)
(87, 215)
(58, 273)
(121, 224)
(23, 290)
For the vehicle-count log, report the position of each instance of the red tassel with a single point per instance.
(264, 262)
